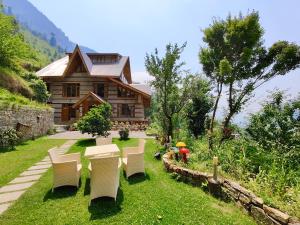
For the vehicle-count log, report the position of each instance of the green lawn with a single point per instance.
(153, 199)
(14, 162)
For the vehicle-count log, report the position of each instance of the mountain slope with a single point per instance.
(45, 51)
(31, 18)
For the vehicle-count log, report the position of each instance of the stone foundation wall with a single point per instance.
(227, 189)
(27, 121)
(131, 125)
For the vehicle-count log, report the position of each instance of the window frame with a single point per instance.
(65, 90)
(120, 90)
(104, 89)
(131, 110)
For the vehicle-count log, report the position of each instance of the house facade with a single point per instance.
(81, 80)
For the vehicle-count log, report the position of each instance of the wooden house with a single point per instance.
(81, 80)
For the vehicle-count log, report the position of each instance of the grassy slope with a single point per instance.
(42, 54)
(286, 202)
(140, 200)
(13, 162)
(8, 99)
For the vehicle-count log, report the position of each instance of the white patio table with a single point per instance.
(101, 150)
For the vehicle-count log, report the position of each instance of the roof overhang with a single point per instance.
(127, 86)
(90, 94)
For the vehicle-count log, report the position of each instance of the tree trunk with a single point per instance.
(225, 125)
(211, 126)
(170, 129)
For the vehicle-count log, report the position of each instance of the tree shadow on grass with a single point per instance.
(105, 206)
(5, 150)
(86, 142)
(137, 178)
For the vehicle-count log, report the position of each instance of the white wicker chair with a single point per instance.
(133, 159)
(105, 177)
(103, 140)
(66, 168)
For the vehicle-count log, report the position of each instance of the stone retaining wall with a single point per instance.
(27, 121)
(227, 189)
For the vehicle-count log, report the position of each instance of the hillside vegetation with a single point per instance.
(46, 53)
(29, 17)
(19, 59)
(10, 100)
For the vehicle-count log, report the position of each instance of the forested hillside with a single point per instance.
(19, 60)
(29, 17)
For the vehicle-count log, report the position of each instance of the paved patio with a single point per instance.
(74, 135)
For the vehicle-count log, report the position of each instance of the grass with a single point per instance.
(9, 99)
(276, 187)
(14, 162)
(151, 199)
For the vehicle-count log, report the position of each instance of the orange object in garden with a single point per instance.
(184, 152)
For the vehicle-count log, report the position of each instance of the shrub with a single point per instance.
(51, 131)
(96, 121)
(38, 86)
(124, 134)
(277, 128)
(8, 137)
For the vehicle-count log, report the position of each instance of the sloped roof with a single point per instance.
(93, 95)
(54, 69)
(114, 69)
(84, 59)
(59, 67)
(142, 87)
(130, 87)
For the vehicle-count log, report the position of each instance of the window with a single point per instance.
(71, 90)
(126, 110)
(99, 89)
(124, 93)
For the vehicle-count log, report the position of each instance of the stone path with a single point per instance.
(18, 186)
(77, 135)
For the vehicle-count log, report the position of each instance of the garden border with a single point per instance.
(227, 189)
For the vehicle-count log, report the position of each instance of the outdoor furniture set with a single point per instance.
(104, 167)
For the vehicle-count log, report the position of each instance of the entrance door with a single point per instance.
(65, 113)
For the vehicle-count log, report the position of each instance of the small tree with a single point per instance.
(96, 121)
(199, 107)
(168, 76)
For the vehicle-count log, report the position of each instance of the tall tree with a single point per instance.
(171, 89)
(239, 40)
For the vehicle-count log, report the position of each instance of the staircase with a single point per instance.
(61, 128)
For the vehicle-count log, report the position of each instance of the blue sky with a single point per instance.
(134, 27)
